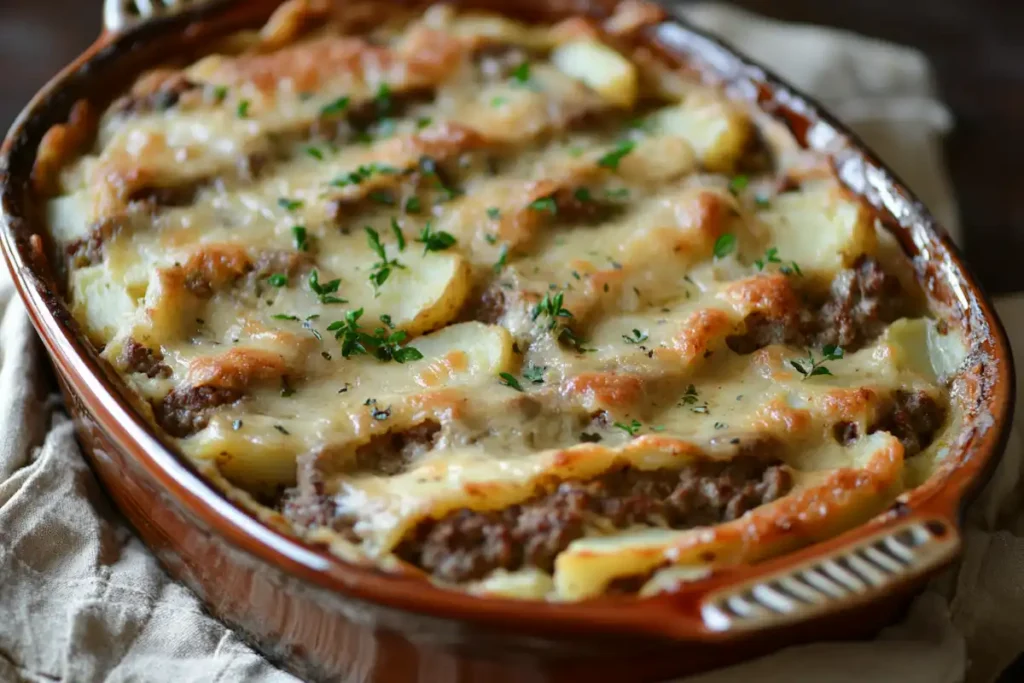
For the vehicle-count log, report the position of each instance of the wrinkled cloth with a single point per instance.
(83, 599)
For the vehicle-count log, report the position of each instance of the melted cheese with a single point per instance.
(450, 223)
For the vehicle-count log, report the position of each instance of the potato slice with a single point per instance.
(820, 229)
(103, 304)
(426, 294)
(716, 129)
(603, 70)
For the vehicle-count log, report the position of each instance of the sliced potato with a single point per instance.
(426, 294)
(717, 129)
(819, 228)
(101, 303)
(603, 70)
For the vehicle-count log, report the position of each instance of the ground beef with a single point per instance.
(862, 300)
(136, 358)
(582, 206)
(88, 251)
(487, 306)
(911, 417)
(161, 99)
(186, 410)
(467, 544)
(183, 194)
(390, 454)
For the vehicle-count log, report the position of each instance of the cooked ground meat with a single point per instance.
(88, 251)
(582, 206)
(161, 99)
(467, 544)
(174, 195)
(861, 302)
(913, 418)
(136, 358)
(487, 306)
(186, 410)
(389, 454)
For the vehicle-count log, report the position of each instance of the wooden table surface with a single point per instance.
(976, 47)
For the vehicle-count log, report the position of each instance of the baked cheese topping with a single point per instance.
(514, 307)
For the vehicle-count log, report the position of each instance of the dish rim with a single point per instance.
(674, 615)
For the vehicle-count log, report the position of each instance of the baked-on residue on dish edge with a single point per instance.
(517, 307)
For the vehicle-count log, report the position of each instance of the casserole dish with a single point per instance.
(325, 617)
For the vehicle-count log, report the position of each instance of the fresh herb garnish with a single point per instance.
(335, 106)
(617, 194)
(423, 121)
(315, 152)
(381, 413)
(285, 316)
(325, 292)
(412, 205)
(521, 74)
(278, 279)
(637, 337)
(381, 345)
(813, 368)
(281, 429)
(383, 197)
(535, 373)
(582, 194)
(289, 204)
(494, 213)
(363, 172)
(690, 397)
(382, 268)
(762, 202)
(632, 428)
(301, 238)
(510, 381)
(771, 255)
(499, 265)
(243, 109)
(399, 235)
(236, 425)
(551, 306)
(611, 159)
(383, 99)
(738, 184)
(544, 204)
(432, 240)
(724, 245)
(791, 268)
(386, 319)
(220, 93)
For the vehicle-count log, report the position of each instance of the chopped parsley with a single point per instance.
(219, 92)
(499, 265)
(637, 337)
(632, 428)
(690, 397)
(423, 121)
(301, 238)
(335, 107)
(432, 240)
(325, 292)
(315, 152)
(382, 197)
(535, 373)
(281, 429)
(412, 205)
(771, 255)
(243, 109)
(611, 159)
(724, 245)
(582, 194)
(617, 194)
(285, 316)
(814, 368)
(499, 101)
(289, 204)
(382, 268)
(738, 184)
(544, 204)
(494, 213)
(278, 280)
(510, 381)
(383, 99)
(791, 268)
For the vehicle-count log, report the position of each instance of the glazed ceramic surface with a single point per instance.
(325, 619)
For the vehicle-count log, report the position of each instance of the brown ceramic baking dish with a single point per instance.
(325, 619)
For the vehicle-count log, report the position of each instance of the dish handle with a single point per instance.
(852, 572)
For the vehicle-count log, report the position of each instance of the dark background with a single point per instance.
(976, 47)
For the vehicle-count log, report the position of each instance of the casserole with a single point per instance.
(723, 612)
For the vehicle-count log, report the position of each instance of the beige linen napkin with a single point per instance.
(83, 600)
